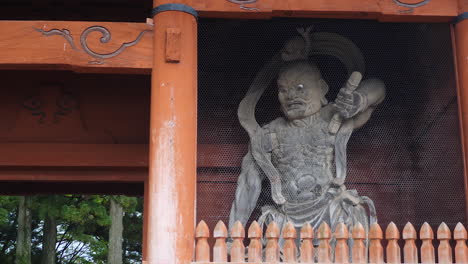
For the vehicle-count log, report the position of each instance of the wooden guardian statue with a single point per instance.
(303, 153)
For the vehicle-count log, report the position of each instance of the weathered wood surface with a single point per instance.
(104, 155)
(342, 253)
(73, 174)
(460, 53)
(26, 44)
(388, 10)
(172, 142)
(39, 45)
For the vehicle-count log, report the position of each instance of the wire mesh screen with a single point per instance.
(407, 158)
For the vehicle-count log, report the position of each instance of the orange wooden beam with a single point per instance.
(61, 174)
(73, 155)
(59, 45)
(66, 45)
(383, 10)
(106, 155)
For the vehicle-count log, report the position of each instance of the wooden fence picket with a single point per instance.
(393, 249)
(237, 248)
(202, 249)
(341, 248)
(375, 245)
(220, 249)
(307, 246)
(461, 250)
(444, 251)
(342, 253)
(410, 251)
(272, 251)
(324, 250)
(255, 246)
(289, 248)
(427, 249)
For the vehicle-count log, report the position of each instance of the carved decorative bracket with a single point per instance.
(410, 7)
(245, 2)
(106, 37)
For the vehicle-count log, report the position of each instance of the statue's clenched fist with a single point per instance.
(350, 102)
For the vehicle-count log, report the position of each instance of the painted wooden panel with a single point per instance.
(79, 46)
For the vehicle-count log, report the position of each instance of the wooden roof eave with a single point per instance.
(43, 44)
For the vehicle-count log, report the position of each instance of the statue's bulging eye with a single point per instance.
(300, 87)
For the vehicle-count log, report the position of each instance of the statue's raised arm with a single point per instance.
(358, 104)
(303, 152)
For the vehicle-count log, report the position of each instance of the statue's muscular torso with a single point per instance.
(302, 151)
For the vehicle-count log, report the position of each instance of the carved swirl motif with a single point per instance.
(65, 33)
(410, 6)
(66, 103)
(33, 104)
(244, 2)
(106, 37)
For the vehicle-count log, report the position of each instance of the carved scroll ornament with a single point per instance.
(106, 37)
(241, 3)
(412, 6)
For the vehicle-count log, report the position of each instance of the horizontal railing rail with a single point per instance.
(331, 247)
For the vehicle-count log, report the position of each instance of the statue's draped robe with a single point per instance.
(307, 158)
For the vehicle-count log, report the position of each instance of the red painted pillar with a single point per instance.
(171, 186)
(460, 38)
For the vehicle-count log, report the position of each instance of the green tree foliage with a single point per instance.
(82, 227)
(8, 227)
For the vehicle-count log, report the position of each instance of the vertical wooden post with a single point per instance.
(341, 247)
(202, 248)
(324, 249)
(393, 249)
(272, 250)
(307, 245)
(410, 251)
(237, 247)
(173, 127)
(145, 221)
(255, 246)
(427, 249)
(461, 251)
(444, 252)
(359, 252)
(220, 248)
(289, 247)
(460, 51)
(376, 254)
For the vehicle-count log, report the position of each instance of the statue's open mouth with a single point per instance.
(295, 105)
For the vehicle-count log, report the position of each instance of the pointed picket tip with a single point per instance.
(358, 231)
(324, 231)
(426, 232)
(375, 231)
(289, 231)
(254, 230)
(392, 231)
(202, 230)
(459, 232)
(237, 230)
(220, 230)
(341, 231)
(272, 231)
(443, 232)
(409, 232)
(307, 231)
